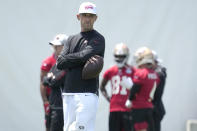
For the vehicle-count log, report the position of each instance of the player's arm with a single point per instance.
(95, 47)
(42, 87)
(64, 52)
(135, 89)
(103, 89)
(160, 88)
(43, 91)
(56, 79)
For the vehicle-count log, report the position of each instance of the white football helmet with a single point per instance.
(121, 54)
(156, 58)
(144, 55)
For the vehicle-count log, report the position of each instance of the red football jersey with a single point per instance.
(119, 93)
(148, 79)
(47, 64)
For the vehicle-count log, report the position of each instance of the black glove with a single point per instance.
(46, 81)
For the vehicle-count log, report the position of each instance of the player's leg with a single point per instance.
(139, 120)
(85, 113)
(57, 121)
(143, 130)
(68, 110)
(158, 114)
(91, 124)
(115, 121)
(157, 124)
(141, 126)
(47, 122)
(126, 121)
(149, 119)
(156, 119)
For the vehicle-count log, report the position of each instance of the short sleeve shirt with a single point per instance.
(148, 80)
(47, 64)
(119, 94)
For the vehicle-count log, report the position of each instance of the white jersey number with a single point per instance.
(116, 86)
(153, 90)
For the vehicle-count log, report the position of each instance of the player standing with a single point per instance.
(55, 80)
(142, 92)
(159, 110)
(47, 64)
(80, 98)
(119, 118)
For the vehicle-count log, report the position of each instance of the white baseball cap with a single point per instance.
(87, 7)
(59, 39)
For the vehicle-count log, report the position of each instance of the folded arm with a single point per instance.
(70, 60)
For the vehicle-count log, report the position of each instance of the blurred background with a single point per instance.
(26, 26)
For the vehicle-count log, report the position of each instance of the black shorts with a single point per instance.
(119, 121)
(143, 118)
(55, 121)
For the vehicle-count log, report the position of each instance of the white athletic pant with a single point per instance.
(79, 111)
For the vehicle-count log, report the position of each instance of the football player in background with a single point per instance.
(159, 110)
(55, 80)
(47, 64)
(142, 92)
(119, 118)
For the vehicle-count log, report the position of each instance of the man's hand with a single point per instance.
(104, 92)
(50, 75)
(126, 82)
(46, 107)
(92, 67)
(128, 104)
(108, 99)
(47, 79)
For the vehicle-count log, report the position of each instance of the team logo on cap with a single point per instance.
(88, 7)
